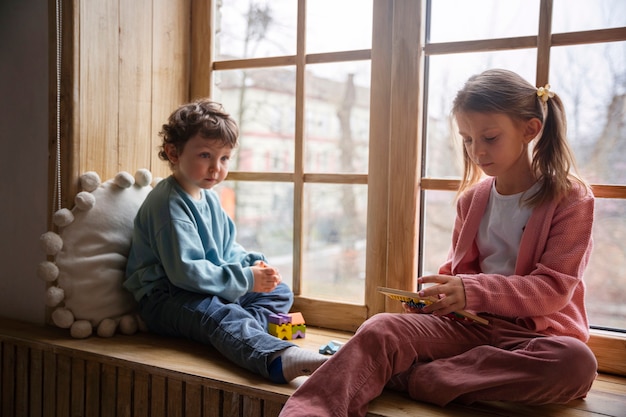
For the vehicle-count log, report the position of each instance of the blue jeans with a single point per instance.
(238, 330)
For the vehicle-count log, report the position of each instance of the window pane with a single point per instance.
(335, 218)
(579, 15)
(263, 103)
(593, 92)
(255, 28)
(447, 75)
(338, 25)
(263, 214)
(606, 274)
(439, 214)
(462, 20)
(337, 117)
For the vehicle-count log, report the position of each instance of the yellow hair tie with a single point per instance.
(544, 93)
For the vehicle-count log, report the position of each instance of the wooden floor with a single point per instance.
(44, 372)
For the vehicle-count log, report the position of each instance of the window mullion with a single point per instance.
(298, 186)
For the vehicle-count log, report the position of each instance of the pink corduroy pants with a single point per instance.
(446, 361)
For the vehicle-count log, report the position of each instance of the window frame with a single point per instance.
(396, 94)
(151, 84)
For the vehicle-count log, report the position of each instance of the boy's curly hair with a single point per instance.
(204, 117)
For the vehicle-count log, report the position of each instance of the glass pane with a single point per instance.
(579, 15)
(462, 20)
(439, 214)
(333, 25)
(592, 89)
(337, 117)
(263, 103)
(255, 28)
(606, 273)
(335, 218)
(447, 75)
(263, 214)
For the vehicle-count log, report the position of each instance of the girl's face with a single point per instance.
(499, 146)
(202, 164)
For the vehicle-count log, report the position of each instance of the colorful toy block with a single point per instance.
(281, 331)
(331, 348)
(280, 318)
(287, 326)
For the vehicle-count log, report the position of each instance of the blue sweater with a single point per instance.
(190, 243)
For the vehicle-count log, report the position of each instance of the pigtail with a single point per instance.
(553, 159)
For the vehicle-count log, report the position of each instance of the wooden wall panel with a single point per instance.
(108, 390)
(78, 387)
(129, 70)
(36, 380)
(170, 67)
(157, 396)
(124, 392)
(193, 399)
(7, 375)
(99, 86)
(141, 394)
(49, 384)
(135, 85)
(63, 385)
(92, 388)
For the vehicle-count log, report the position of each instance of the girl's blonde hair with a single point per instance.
(505, 92)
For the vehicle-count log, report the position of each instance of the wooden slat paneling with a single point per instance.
(177, 377)
(193, 399)
(35, 382)
(158, 394)
(98, 81)
(141, 394)
(64, 388)
(78, 387)
(92, 388)
(108, 390)
(135, 85)
(174, 398)
(21, 381)
(49, 383)
(125, 68)
(124, 392)
(170, 68)
(7, 377)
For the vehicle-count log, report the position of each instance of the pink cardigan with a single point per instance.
(547, 292)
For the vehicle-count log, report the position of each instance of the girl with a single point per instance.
(521, 241)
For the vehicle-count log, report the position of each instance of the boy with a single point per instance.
(186, 270)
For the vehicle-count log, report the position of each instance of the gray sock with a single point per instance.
(298, 362)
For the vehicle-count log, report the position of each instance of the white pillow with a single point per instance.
(90, 253)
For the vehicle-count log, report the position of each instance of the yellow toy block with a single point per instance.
(281, 331)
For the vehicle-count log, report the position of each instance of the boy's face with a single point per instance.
(202, 164)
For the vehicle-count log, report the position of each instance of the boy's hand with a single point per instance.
(450, 291)
(266, 278)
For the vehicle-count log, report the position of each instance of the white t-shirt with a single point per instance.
(501, 231)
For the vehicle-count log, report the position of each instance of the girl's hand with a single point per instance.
(266, 278)
(449, 290)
